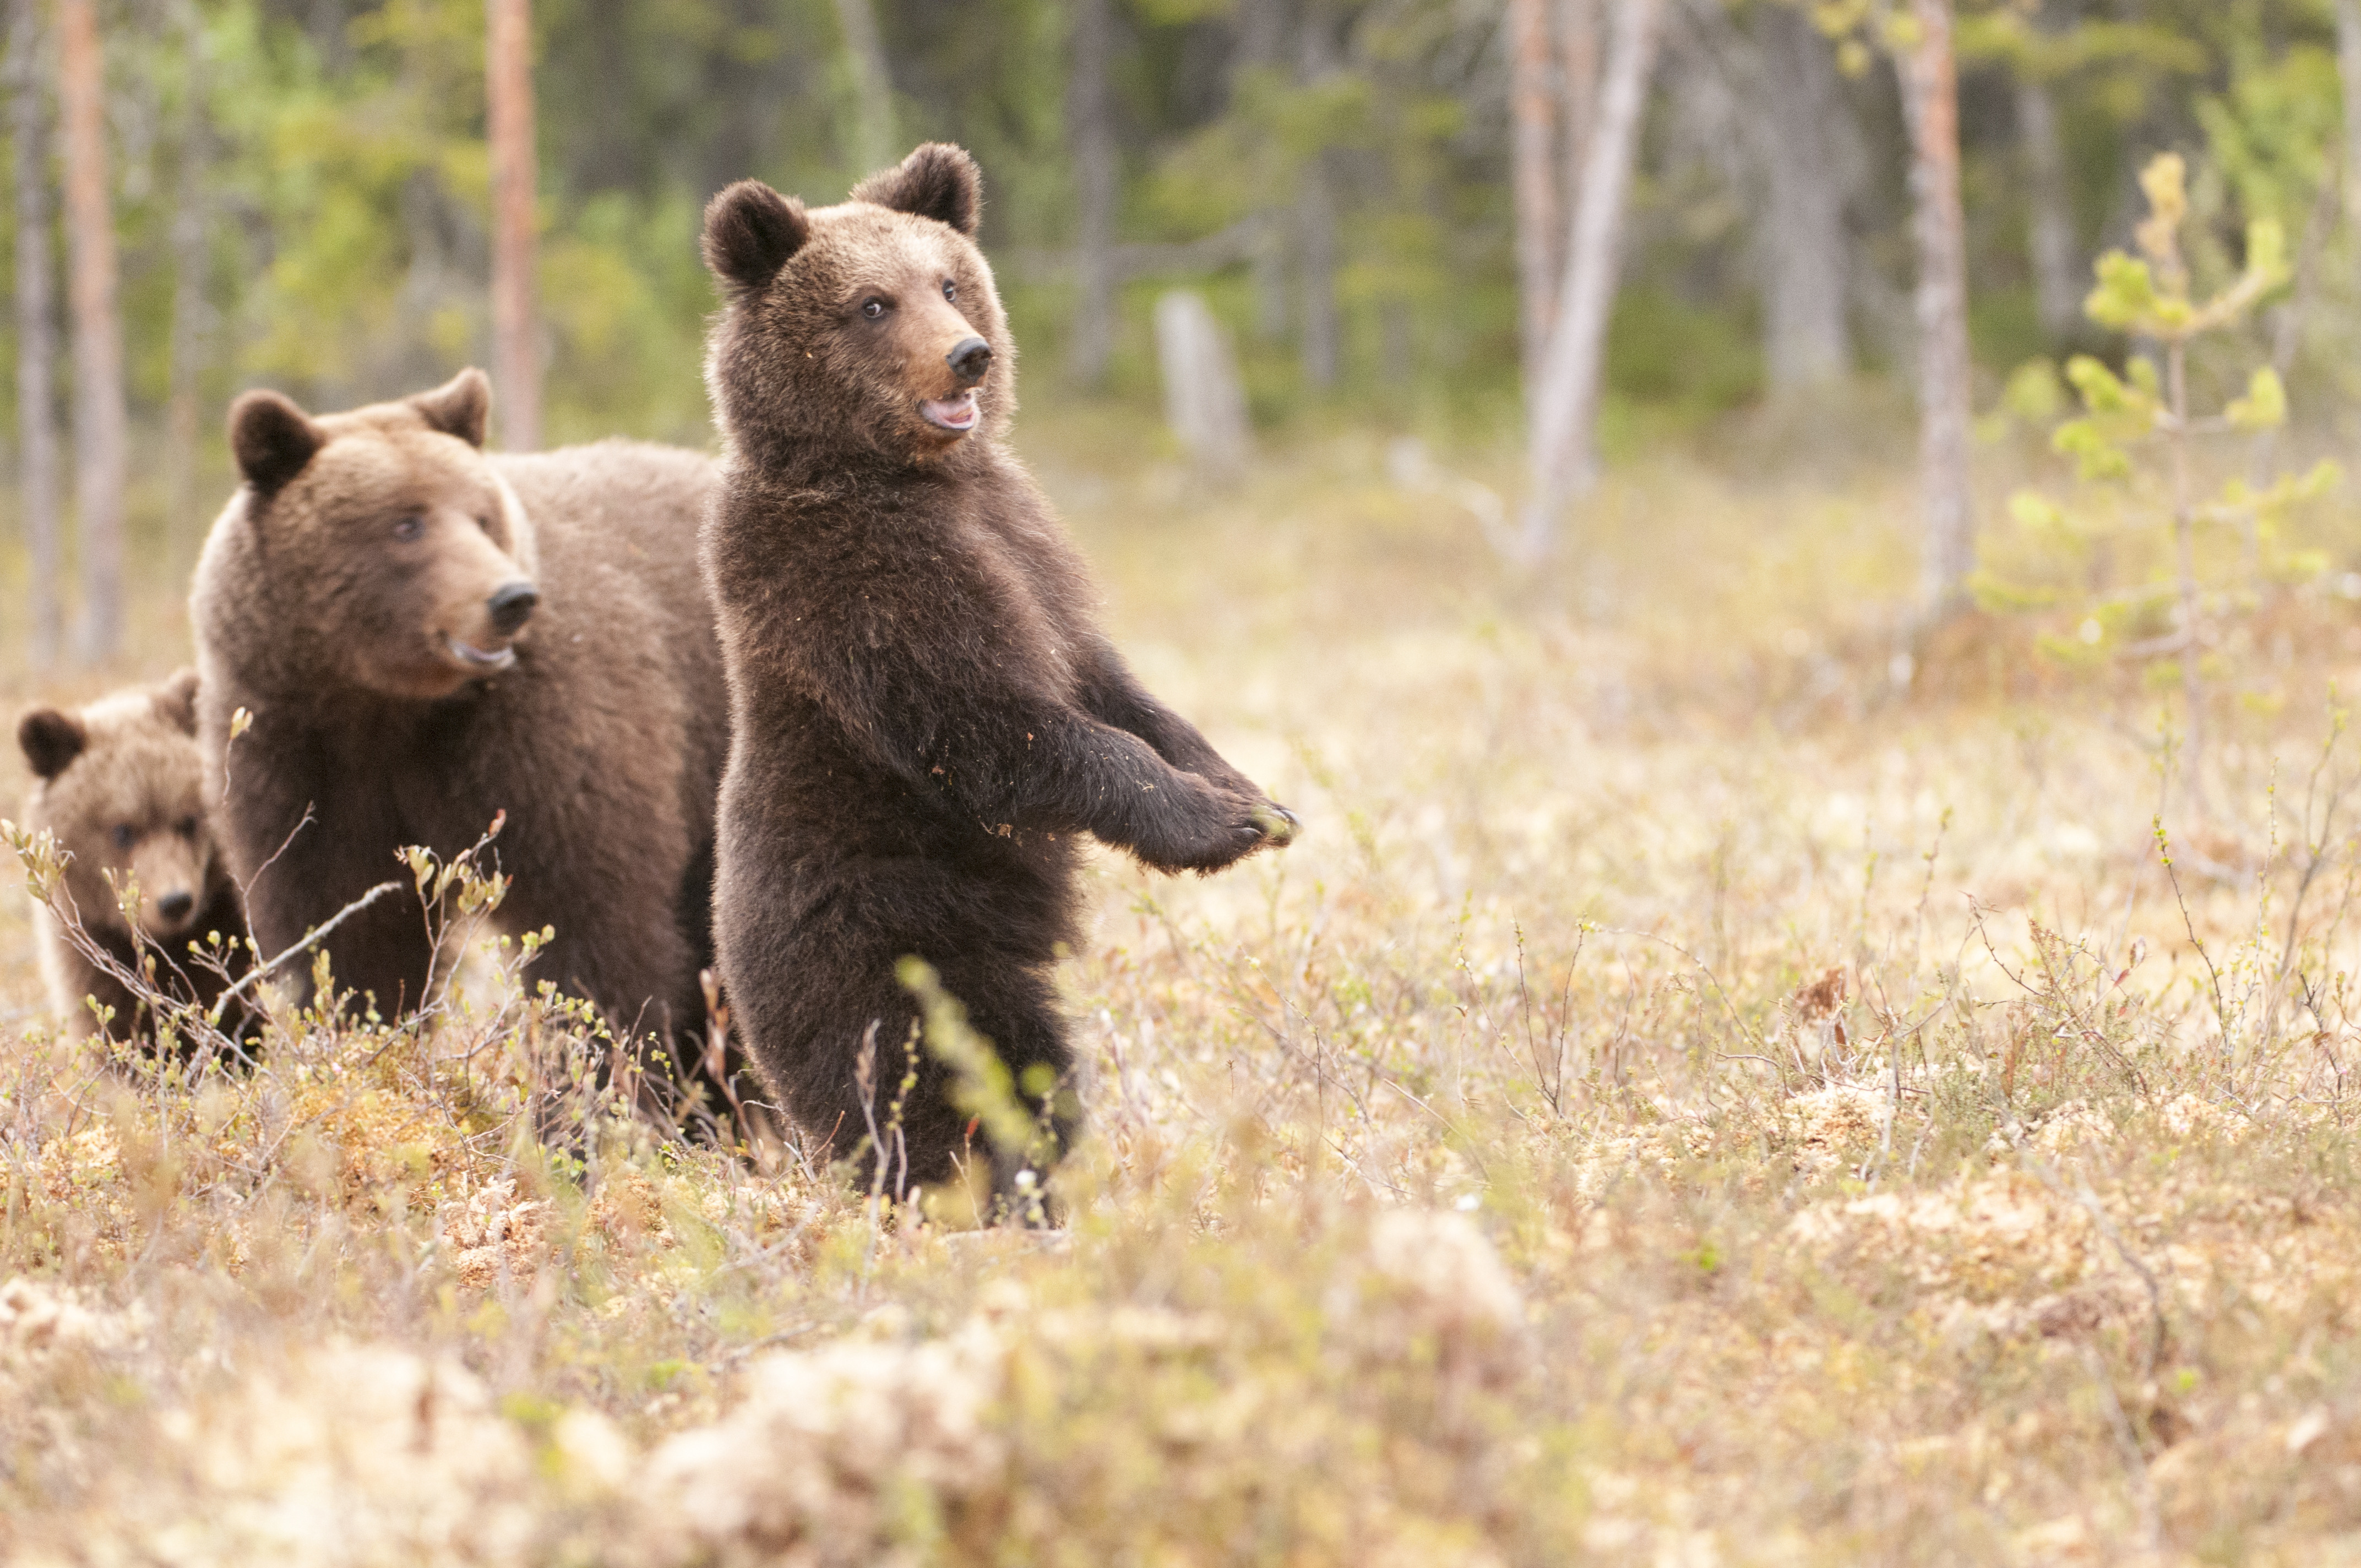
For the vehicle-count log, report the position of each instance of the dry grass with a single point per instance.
(1688, 1099)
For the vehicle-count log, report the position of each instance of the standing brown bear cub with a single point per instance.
(924, 714)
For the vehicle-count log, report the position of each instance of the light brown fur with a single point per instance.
(120, 785)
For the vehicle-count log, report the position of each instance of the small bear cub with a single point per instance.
(926, 717)
(120, 785)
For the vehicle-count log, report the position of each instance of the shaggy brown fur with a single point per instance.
(120, 785)
(926, 717)
(427, 637)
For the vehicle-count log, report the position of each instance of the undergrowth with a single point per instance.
(1708, 1086)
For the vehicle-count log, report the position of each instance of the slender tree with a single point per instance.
(1537, 181)
(99, 414)
(1090, 129)
(1930, 96)
(191, 225)
(1565, 406)
(1321, 341)
(1578, 82)
(2057, 282)
(37, 469)
(516, 350)
(873, 89)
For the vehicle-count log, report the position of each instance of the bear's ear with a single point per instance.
(273, 439)
(751, 231)
(51, 740)
(461, 406)
(938, 180)
(176, 701)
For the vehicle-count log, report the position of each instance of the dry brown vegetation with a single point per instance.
(1699, 1092)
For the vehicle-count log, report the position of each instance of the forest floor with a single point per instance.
(1705, 1088)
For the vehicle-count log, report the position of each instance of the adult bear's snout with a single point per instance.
(513, 607)
(970, 358)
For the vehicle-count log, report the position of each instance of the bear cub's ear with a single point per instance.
(751, 231)
(51, 740)
(938, 180)
(176, 701)
(461, 406)
(273, 439)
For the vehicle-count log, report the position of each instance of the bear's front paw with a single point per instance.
(1278, 824)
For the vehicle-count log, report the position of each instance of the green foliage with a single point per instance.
(2094, 557)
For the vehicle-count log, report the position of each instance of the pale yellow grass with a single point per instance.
(1688, 1099)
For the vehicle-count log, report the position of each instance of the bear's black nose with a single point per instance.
(513, 607)
(970, 359)
(175, 905)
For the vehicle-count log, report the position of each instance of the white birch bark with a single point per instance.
(1564, 409)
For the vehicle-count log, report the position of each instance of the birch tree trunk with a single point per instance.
(873, 89)
(1930, 96)
(2057, 280)
(1537, 181)
(1315, 219)
(1090, 123)
(191, 312)
(516, 347)
(37, 450)
(1565, 407)
(1578, 82)
(99, 415)
(1804, 248)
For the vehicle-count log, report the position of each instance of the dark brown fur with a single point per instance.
(926, 717)
(120, 785)
(345, 600)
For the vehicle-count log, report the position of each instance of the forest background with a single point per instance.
(1372, 196)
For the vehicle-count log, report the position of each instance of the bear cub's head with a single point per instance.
(873, 324)
(120, 785)
(387, 548)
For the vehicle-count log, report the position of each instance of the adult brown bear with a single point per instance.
(120, 785)
(427, 637)
(924, 714)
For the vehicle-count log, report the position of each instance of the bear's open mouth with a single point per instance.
(958, 414)
(467, 654)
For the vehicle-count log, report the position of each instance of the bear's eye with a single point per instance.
(123, 836)
(186, 827)
(872, 309)
(411, 528)
(484, 522)
(951, 289)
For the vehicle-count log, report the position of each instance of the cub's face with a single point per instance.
(874, 323)
(394, 554)
(121, 787)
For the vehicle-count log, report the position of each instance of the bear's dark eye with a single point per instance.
(186, 827)
(951, 289)
(484, 522)
(123, 836)
(872, 309)
(411, 528)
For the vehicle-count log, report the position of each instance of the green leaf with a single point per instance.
(2264, 404)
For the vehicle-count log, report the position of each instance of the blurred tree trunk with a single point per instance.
(1577, 42)
(1565, 405)
(2348, 66)
(1262, 35)
(192, 226)
(1930, 97)
(2049, 228)
(873, 88)
(1315, 218)
(1538, 182)
(1090, 125)
(99, 415)
(1805, 247)
(516, 348)
(37, 348)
